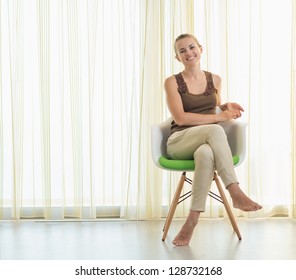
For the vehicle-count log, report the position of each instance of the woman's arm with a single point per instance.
(228, 106)
(217, 83)
(181, 117)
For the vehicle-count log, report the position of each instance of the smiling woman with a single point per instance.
(82, 81)
(192, 98)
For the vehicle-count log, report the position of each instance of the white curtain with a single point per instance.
(82, 81)
(70, 106)
(250, 44)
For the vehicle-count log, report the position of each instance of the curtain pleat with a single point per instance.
(15, 25)
(43, 15)
(292, 109)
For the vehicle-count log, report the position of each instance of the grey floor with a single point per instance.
(263, 239)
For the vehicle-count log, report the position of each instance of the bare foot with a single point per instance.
(185, 234)
(240, 200)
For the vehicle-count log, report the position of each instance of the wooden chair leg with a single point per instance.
(173, 206)
(227, 206)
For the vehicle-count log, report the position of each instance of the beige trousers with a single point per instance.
(208, 146)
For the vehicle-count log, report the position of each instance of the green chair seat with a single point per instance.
(184, 165)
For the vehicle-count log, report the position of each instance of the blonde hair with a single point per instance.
(182, 36)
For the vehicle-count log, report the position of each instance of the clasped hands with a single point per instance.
(230, 110)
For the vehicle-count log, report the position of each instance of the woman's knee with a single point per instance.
(216, 131)
(216, 128)
(204, 153)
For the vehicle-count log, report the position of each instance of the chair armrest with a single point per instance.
(236, 135)
(156, 147)
(159, 136)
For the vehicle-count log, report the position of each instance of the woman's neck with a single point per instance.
(193, 73)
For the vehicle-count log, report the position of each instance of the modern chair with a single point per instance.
(236, 135)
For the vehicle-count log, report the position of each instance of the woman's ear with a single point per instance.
(177, 57)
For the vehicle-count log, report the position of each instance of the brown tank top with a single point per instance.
(204, 103)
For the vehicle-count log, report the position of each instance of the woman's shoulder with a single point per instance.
(171, 85)
(170, 81)
(172, 77)
(216, 78)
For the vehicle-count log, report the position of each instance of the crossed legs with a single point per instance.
(209, 147)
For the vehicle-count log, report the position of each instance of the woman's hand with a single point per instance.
(235, 108)
(226, 116)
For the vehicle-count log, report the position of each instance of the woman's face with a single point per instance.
(188, 51)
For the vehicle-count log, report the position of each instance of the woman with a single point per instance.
(192, 97)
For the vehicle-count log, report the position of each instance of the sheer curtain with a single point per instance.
(253, 52)
(70, 97)
(82, 81)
